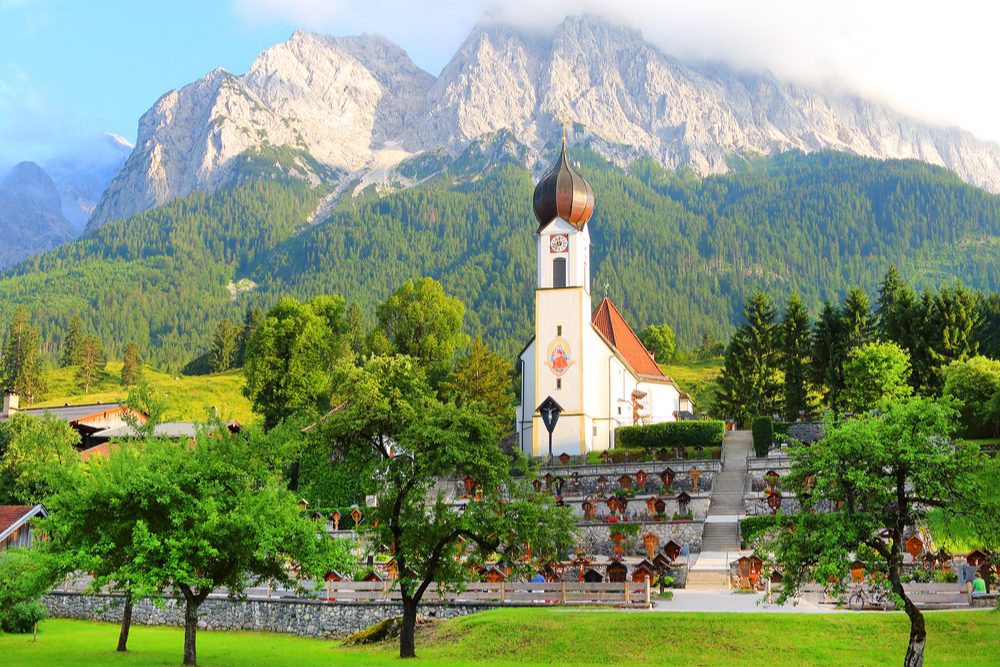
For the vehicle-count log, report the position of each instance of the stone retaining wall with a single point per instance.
(596, 537)
(305, 618)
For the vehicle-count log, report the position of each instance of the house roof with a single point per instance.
(165, 429)
(74, 413)
(610, 323)
(13, 517)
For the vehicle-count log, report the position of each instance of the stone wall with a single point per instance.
(596, 537)
(306, 618)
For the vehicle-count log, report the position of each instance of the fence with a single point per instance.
(517, 593)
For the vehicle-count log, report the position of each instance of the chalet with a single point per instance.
(15, 524)
(87, 419)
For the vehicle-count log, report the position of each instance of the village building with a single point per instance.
(588, 360)
(16, 524)
(87, 419)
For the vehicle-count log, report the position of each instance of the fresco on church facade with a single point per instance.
(559, 358)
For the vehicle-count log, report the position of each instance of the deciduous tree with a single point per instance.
(881, 473)
(290, 357)
(483, 376)
(976, 384)
(874, 373)
(389, 415)
(660, 340)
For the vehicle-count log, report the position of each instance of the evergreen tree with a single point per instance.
(795, 353)
(859, 325)
(253, 317)
(91, 361)
(225, 346)
(72, 342)
(484, 376)
(21, 363)
(925, 328)
(829, 354)
(988, 335)
(896, 306)
(749, 381)
(356, 329)
(131, 366)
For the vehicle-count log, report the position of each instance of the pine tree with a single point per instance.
(131, 366)
(356, 329)
(925, 331)
(749, 380)
(92, 362)
(795, 353)
(896, 309)
(859, 325)
(829, 354)
(484, 376)
(72, 342)
(224, 346)
(21, 364)
(254, 316)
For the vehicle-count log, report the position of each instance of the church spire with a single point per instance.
(563, 193)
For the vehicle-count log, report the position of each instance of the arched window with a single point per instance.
(559, 272)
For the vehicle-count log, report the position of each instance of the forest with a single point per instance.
(667, 248)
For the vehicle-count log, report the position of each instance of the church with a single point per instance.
(586, 360)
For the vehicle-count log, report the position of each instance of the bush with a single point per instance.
(752, 527)
(763, 435)
(946, 577)
(21, 618)
(667, 435)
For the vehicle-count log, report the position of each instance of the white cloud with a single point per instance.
(935, 61)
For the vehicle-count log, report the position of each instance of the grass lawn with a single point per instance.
(188, 397)
(699, 379)
(537, 637)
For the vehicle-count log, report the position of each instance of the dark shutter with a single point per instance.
(559, 272)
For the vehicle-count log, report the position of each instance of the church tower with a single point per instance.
(563, 204)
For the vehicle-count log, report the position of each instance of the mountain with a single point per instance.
(667, 247)
(82, 176)
(31, 219)
(342, 111)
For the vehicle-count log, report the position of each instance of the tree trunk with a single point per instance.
(918, 630)
(190, 629)
(407, 633)
(126, 623)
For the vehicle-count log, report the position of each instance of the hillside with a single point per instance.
(667, 247)
(185, 398)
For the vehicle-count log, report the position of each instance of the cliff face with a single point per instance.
(350, 106)
(31, 218)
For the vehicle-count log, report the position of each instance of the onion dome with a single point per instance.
(563, 193)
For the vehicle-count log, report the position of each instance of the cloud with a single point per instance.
(931, 60)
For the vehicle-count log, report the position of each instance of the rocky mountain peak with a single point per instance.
(355, 106)
(31, 219)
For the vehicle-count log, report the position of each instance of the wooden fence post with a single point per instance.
(385, 589)
(502, 587)
(562, 593)
(648, 582)
(628, 593)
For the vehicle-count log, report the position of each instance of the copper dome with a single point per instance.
(565, 194)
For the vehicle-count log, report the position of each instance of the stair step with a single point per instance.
(707, 580)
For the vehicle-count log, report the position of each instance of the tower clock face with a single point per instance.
(558, 243)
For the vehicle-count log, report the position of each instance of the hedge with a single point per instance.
(666, 435)
(763, 435)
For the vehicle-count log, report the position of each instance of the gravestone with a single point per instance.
(564, 458)
(914, 546)
(537, 485)
(651, 542)
(644, 571)
(661, 505)
(618, 538)
(617, 572)
(625, 481)
(602, 484)
(667, 478)
(640, 479)
(672, 550)
(588, 510)
(470, 485)
(335, 517)
(683, 502)
(356, 515)
(592, 576)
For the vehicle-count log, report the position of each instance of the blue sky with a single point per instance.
(72, 69)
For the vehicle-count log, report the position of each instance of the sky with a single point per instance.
(72, 70)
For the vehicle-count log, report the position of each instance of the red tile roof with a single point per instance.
(11, 514)
(615, 329)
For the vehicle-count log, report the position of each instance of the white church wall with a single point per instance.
(528, 403)
(576, 254)
(663, 401)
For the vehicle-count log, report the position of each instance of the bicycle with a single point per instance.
(873, 598)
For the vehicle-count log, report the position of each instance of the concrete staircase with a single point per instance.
(721, 539)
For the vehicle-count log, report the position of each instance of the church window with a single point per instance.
(558, 383)
(559, 330)
(559, 272)
(619, 409)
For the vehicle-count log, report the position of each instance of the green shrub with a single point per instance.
(21, 618)
(752, 527)
(763, 435)
(667, 435)
(946, 577)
